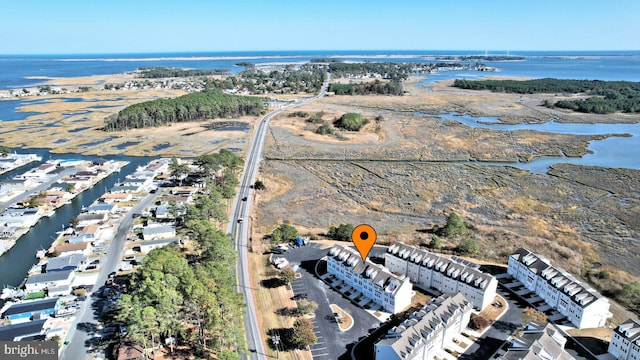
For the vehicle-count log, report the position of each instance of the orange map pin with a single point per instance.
(363, 237)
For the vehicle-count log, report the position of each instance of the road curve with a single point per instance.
(238, 225)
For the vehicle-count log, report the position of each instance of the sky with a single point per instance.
(143, 26)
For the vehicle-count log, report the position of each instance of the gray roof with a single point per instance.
(101, 207)
(48, 277)
(10, 332)
(154, 230)
(462, 271)
(62, 262)
(538, 342)
(424, 324)
(160, 242)
(377, 274)
(30, 306)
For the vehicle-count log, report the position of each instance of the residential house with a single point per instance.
(102, 208)
(157, 167)
(538, 342)
(20, 217)
(85, 219)
(158, 232)
(427, 331)
(110, 197)
(31, 330)
(39, 282)
(430, 272)
(64, 263)
(82, 248)
(30, 310)
(127, 189)
(583, 306)
(372, 282)
(625, 341)
(92, 232)
(149, 245)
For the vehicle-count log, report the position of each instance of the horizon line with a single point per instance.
(481, 52)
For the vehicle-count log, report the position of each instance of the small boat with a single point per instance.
(41, 253)
(10, 292)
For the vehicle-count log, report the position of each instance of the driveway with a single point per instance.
(332, 343)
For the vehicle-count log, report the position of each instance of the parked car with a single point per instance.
(299, 296)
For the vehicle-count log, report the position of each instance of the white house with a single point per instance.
(625, 341)
(426, 331)
(538, 341)
(158, 232)
(116, 197)
(39, 282)
(147, 246)
(85, 219)
(430, 271)
(583, 306)
(374, 282)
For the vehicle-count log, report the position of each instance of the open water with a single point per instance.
(18, 71)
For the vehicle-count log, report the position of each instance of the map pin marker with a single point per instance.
(363, 237)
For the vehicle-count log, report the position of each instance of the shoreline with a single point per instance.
(7, 244)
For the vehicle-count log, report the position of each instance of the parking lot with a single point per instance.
(332, 343)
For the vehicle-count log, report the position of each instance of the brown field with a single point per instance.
(403, 175)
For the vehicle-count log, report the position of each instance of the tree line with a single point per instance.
(191, 107)
(606, 96)
(190, 296)
(164, 72)
(393, 87)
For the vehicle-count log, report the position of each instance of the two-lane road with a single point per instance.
(79, 338)
(238, 225)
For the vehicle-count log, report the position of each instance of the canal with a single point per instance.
(16, 262)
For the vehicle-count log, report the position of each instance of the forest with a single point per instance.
(165, 72)
(393, 87)
(605, 97)
(189, 293)
(209, 104)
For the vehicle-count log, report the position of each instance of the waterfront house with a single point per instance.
(116, 197)
(428, 331)
(158, 232)
(75, 239)
(102, 208)
(625, 341)
(430, 272)
(30, 310)
(157, 167)
(538, 342)
(67, 262)
(31, 330)
(20, 217)
(120, 188)
(92, 231)
(85, 219)
(147, 246)
(370, 282)
(39, 282)
(82, 248)
(583, 306)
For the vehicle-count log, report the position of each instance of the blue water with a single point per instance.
(610, 65)
(15, 69)
(620, 150)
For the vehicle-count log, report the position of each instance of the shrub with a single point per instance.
(351, 122)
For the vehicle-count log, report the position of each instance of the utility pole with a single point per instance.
(276, 341)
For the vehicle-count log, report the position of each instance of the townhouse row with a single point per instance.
(583, 306)
(430, 272)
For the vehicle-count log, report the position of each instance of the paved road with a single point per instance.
(238, 225)
(84, 326)
(44, 186)
(332, 343)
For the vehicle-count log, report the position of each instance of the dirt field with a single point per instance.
(405, 174)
